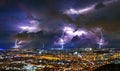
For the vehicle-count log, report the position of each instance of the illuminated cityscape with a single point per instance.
(60, 35)
(83, 59)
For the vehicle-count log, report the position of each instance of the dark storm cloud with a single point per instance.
(54, 10)
(34, 35)
(37, 39)
(100, 5)
(103, 16)
(107, 17)
(50, 15)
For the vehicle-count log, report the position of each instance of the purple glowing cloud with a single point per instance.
(32, 26)
(70, 31)
(69, 34)
(73, 11)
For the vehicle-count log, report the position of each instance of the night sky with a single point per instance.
(51, 16)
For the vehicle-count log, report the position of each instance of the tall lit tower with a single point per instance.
(42, 50)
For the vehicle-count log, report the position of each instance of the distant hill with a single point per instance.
(109, 67)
